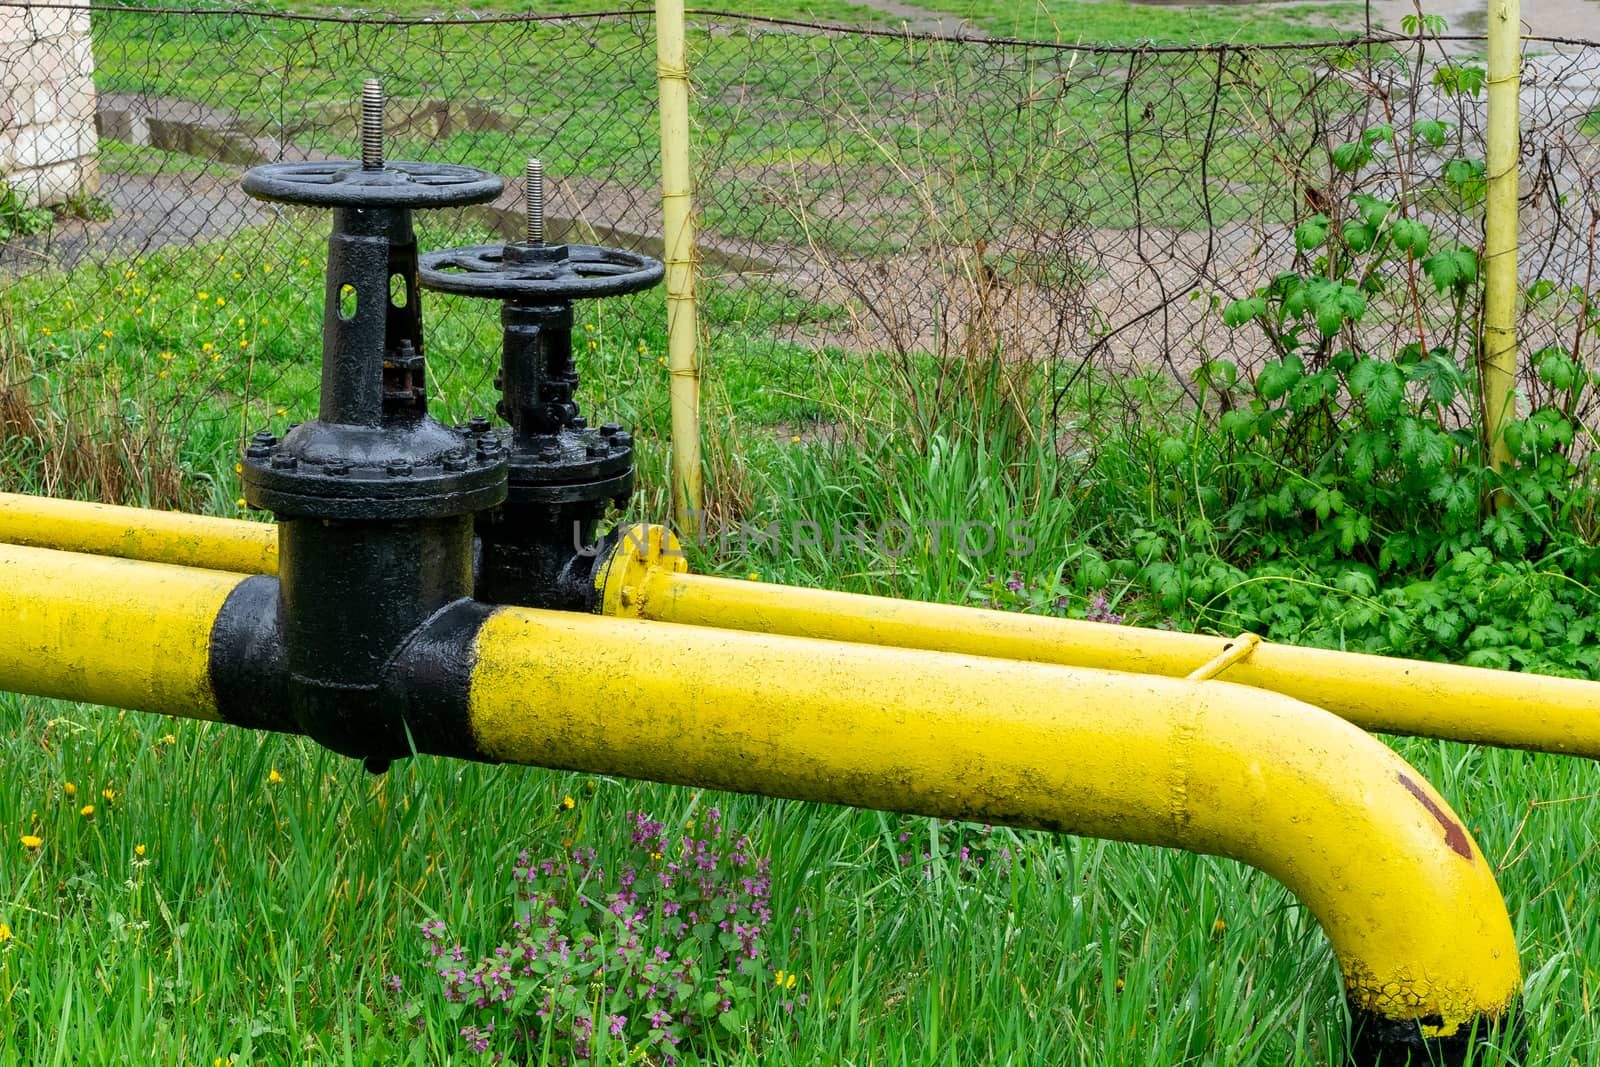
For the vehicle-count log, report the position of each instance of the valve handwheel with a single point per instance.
(527, 271)
(346, 183)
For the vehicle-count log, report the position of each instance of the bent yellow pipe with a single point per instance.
(1405, 897)
(1331, 813)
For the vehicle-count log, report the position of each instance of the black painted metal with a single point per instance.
(1380, 1042)
(540, 548)
(374, 498)
(346, 183)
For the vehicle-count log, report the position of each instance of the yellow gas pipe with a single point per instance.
(1379, 693)
(1404, 895)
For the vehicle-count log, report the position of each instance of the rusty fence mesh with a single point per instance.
(1090, 209)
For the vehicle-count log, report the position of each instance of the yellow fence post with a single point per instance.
(672, 77)
(1498, 357)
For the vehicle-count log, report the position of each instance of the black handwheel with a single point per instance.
(347, 183)
(523, 271)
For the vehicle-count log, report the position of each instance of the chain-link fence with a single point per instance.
(879, 194)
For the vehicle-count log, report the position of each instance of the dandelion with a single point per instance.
(568, 803)
(238, 468)
(166, 356)
(105, 333)
(303, 262)
(138, 850)
(70, 789)
(241, 320)
(784, 979)
(795, 439)
(1219, 928)
(110, 794)
(266, 268)
(221, 302)
(283, 411)
(47, 331)
(5, 933)
(203, 295)
(589, 326)
(169, 739)
(754, 577)
(31, 841)
(274, 778)
(243, 343)
(206, 347)
(87, 811)
(239, 502)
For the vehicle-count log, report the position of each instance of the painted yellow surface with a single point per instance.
(1502, 134)
(1378, 693)
(139, 533)
(677, 219)
(109, 631)
(1405, 897)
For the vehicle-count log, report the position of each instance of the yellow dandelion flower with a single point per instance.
(206, 347)
(1219, 928)
(221, 302)
(243, 343)
(655, 855)
(105, 333)
(661, 360)
(47, 331)
(5, 933)
(754, 577)
(166, 355)
(589, 326)
(70, 789)
(274, 778)
(241, 320)
(239, 502)
(163, 374)
(110, 794)
(138, 311)
(266, 268)
(237, 275)
(568, 803)
(303, 262)
(795, 439)
(238, 468)
(138, 850)
(31, 841)
(87, 811)
(203, 295)
(283, 411)
(101, 347)
(169, 739)
(784, 979)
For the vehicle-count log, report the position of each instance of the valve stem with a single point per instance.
(533, 198)
(372, 124)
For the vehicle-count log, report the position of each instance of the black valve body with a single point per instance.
(374, 498)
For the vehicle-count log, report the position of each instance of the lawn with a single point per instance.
(180, 892)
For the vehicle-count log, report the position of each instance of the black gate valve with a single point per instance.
(540, 548)
(374, 498)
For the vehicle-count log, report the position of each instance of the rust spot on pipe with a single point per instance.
(1454, 835)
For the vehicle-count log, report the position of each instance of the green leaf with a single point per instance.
(1240, 312)
(1431, 131)
(1279, 376)
(1373, 210)
(1360, 236)
(1451, 268)
(1312, 233)
(1380, 386)
(1556, 369)
(1411, 236)
(1352, 156)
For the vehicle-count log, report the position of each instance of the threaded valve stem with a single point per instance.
(533, 198)
(372, 124)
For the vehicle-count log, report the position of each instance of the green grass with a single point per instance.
(1093, 22)
(263, 917)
